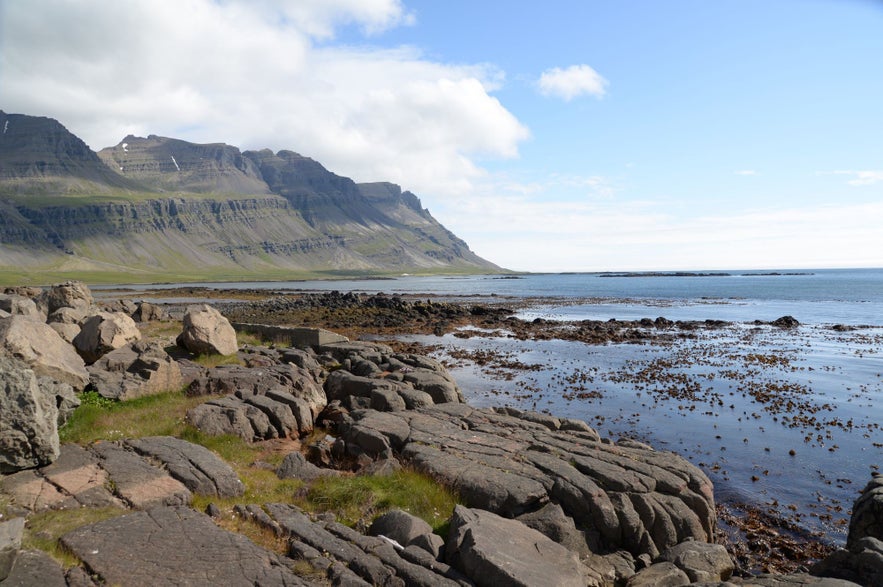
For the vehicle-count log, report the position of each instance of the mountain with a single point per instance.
(159, 208)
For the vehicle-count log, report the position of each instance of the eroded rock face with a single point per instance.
(135, 370)
(624, 497)
(43, 350)
(28, 419)
(207, 332)
(21, 306)
(103, 333)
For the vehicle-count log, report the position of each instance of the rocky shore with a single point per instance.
(261, 421)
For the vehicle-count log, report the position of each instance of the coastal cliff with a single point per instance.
(162, 208)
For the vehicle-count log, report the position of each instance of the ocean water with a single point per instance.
(787, 420)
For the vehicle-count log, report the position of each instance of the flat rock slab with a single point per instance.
(174, 546)
(508, 462)
(198, 468)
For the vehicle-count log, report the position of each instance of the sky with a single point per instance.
(568, 135)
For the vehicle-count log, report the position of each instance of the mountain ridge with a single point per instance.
(162, 208)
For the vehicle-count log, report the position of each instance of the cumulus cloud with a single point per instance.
(256, 74)
(572, 82)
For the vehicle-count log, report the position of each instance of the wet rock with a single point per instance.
(786, 322)
(198, 468)
(43, 350)
(491, 550)
(103, 333)
(28, 419)
(135, 370)
(207, 332)
(173, 545)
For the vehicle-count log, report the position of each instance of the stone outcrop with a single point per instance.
(17, 305)
(174, 545)
(70, 294)
(135, 370)
(105, 332)
(43, 350)
(207, 332)
(28, 419)
(862, 560)
(623, 496)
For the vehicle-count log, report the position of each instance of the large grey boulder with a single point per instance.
(10, 542)
(701, 561)
(174, 546)
(43, 350)
(134, 370)
(28, 419)
(103, 333)
(70, 294)
(492, 550)
(207, 332)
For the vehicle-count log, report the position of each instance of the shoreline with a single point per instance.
(759, 538)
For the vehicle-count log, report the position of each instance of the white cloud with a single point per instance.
(866, 177)
(252, 74)
(572, 82)
(745, 172)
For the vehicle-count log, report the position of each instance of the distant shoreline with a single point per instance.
(694, 274)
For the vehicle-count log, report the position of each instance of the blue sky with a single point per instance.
(567, 136)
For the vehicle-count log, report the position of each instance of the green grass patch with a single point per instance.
(363, 498)
(101, 419)
(43, 529)
(217, 360)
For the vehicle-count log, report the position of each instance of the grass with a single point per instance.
(43, 529)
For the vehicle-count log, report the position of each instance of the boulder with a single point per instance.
(492, 550)
(147, 312)
(70, 294)
(199, 469)
(10, 543)
(68, 316)
(28, 419)
(862, 560)
(43, 350)
(104, 332)
(21, 306)
(664, 574)
(207, 332)
(65, 398)
(134, 370)
(400, 526)
(68, 332)
(701, 561)
(554, 523)
(296, 466)
(173, 546)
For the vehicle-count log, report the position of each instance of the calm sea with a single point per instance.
(787, 420)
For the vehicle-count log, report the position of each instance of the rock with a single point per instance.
(792, 580)
(862, 560)
(28, 419)
(68, 316)
(70, 294)
(68, 332)
(173, 545)
(135, 370)
(387, 400)
(35, 567)
(78, 474)
(554, 523)
(137, 482)
(21, 306)
(66, 399)
(624, 497)
(230, 415)
(702, 562)
(664, 574)
(296, 466)
(207, 332)
(198, 468)
(440, 386)
(786, 322)
(491, 550)
(11, 533)
(43, 350)
(147, 312)
(400, 526)
(103, 333)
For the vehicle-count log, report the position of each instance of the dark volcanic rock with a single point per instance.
(174, 545)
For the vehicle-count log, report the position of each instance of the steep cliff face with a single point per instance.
(179, 166)
(155, 205)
